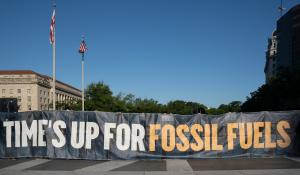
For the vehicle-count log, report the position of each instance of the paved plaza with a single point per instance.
(156, 167)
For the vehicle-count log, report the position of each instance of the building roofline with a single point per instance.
(296, 7)
(46, 76)
(19, 72)
(291, 10)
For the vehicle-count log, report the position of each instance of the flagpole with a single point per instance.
(82, 49)
(82, 79)
(54, 66)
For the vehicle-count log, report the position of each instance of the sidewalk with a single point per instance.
(253, 166)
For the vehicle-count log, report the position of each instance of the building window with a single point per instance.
(11, 91)
(41, 107)
(19, 99)
(40, 92)
(41, 99)
(48, 94)
(29, 98)
(29, 107)
(3, 91)
(28, 91)
(19, 91)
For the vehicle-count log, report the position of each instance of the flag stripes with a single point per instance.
(83, 48)
(52, 27)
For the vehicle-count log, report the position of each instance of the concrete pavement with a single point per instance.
(276, 166)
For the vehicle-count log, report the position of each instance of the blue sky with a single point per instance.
(209, 51)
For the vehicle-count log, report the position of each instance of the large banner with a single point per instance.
(105, 135)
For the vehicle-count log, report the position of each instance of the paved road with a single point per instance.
(274, 166)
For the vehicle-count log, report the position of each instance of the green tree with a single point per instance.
(234, 106)
(282, 93)
(215, 111)
(99, 97)
(182, 107)
(147, 106)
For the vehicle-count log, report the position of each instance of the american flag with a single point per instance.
(82, 47)
(52, 27)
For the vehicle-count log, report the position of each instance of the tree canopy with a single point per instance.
(282, 93)
(99, 97)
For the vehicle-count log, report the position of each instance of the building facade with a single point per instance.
(284, 45)
(33, 90)
(271, 53)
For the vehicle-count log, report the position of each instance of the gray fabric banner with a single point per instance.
(106, 135)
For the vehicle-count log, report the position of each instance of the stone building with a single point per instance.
(271, 53)
(284, 45)
(33, 90)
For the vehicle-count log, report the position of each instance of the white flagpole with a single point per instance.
(82, 79)
(54, 65)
